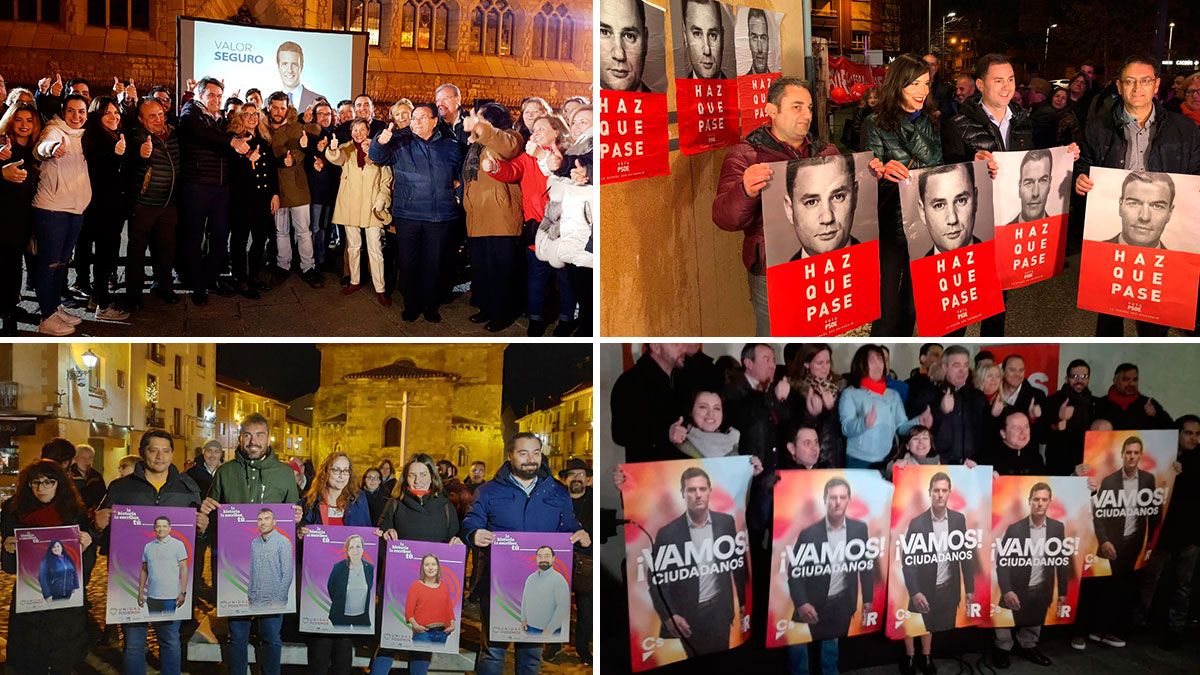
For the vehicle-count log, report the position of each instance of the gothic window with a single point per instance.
(360, 16)
(492, 24)
(553, 33)
(425, 24)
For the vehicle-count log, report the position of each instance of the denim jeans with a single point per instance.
(540, 272)
(418, 662)
(287, 219)
(491, 658)
(56, 233)
(169, 649)
(319, 216)
(433, 636)
(239, 643)
(758, 301)
(798, 658)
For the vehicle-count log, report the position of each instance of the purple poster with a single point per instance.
(423, 590)
(256, 561)
(338, 591)
(49, 568)
(531, 587)
(150, 558)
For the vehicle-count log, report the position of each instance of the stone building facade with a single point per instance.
(565, 427)
(64, 41)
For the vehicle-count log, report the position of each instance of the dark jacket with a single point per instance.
(828, 425)
(134, 490)
(357, 513)
(699, 373)
(91, 487)
(501, 506)
(253, 185)
(814, 589)
(153, 182)
(923, 578)
(205, 145)
(203, 478)
(106, 172)
(915, 144)
(680, 597)
(323, 184)
(759, 416)
(336, 585)
(10, 521)
(1180, 528)
(424, 173)
(1064, 449)
(1112, 529)
(643, 410)
(957, 435)
(733, 210)
(18, 197)
(971, 131)
(852, 131)
(1174, 143)
(376, 503)
(583, 513)
(1015, 578)
(1024, 462)
(58, 576)
(431, 518)
(1133, 417)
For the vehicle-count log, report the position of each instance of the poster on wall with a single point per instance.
(672, 616)
(633, 91)
(1031, 197)
(829, 555)
(949, 223)
(821, 232)
(758, 50)
(1141, 249)
(706, 93)
(1041, 534)
(49, 568)
(150, 557)
(1133, 473)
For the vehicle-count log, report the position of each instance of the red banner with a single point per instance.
(826, 294)
(849, 81)
(752, 99)
(1041, 362)
(633, 135)
(956, 288)
(1148, 284)
(707, 113)
(1027, 253)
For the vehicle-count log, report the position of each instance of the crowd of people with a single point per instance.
(677, 402)
(425, 501)
(914, 120)
(234, 193)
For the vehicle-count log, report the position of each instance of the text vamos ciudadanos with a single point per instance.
(810, 559)
(1049, 552)
(1123, 504)
(923, 548)
(719, 555)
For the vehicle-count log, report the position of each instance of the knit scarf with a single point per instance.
(360, 155)
(713, 443)
(43, 516)
(1121, 399)
(877, 386)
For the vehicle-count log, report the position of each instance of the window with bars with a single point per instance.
(425, 24)
(492, 24)
(553, 33)
(129, 14)
(859, 39)
(33, 11)
(360, 16)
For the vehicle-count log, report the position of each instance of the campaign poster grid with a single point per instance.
(758, 52)
(1128, 518)
(663, 566)
(948, 570)
(1031, 200)
(706, 92)
(49, 568)
(163, 539)
(949, 224)
(821, 232)
(805, 560)
(256, 559)
(402, 577)
(1063, 506)
(633, 91)
(531, 587)
(1141, 249)
(330, 551)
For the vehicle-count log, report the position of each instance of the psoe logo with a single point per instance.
(649, 644)
(901, 616)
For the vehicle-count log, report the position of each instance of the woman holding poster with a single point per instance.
(428, 607)
(57, 575)
(53, 639)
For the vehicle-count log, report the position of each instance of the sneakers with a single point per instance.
(313, 278)
(1107, 638)
(54, 325)
(67, 317)
(111, 313)
(1078, 643)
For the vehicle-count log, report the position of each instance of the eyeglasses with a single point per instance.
(1193, 92)
(1078, 378)
(1145, 82)
(340, 472)
(44, 483)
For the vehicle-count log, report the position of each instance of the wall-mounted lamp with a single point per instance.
(77, 374)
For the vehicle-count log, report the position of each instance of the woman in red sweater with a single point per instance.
(428, 607)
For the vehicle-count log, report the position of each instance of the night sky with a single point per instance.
(532, 372)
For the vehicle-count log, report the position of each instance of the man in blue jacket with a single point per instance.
(522, 497)
(426, 163)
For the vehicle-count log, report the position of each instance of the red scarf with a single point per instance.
(417, 493)
(43, 516)
(1121, 399)
(877, 386)
(1194, 115)
(360, 155)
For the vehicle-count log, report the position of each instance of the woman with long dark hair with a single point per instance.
(19, 129)
(813, 400)
(388, 474)
(902, 135)
(104, 147)
(871, 414)
(57, 574)
(428, 605)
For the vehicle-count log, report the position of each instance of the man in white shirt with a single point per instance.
(289, 59)
(936, 588)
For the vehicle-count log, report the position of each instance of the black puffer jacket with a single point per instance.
(18, 197)
(154, 182)
(105, 170)
(205, 146)
(1174, 143)
(971, 130)
(431, 518)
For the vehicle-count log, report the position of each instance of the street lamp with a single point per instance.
(951, 15)
(1046, 54)
(1170, 39)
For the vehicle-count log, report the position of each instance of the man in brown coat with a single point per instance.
(292, 141)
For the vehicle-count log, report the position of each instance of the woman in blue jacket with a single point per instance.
(57, 574)
(870, 412)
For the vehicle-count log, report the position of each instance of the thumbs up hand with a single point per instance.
(303, 138)
(119, 148)
(871, 416)
(287, 159)
(118, 88)
(579, 174)
(5, 150)
(147, 148)
(385, 136)
(322, 144)
(677, 432)
(333, 143)
(57, 86)
(14, 173)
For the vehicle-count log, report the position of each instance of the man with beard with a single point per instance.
(545, 600)
(623, 44)
(704, 38)
(1033, 186)
(935, 588)
(947, 202)
(759, 37)
(819, 203)
(1027, 589)
(292, 142)
(1126, 407)
(643, 405)
(578, 477)
(827, 601)
(1067, 415)
(1146, 204)
(522, 497)
(698, 610)
(254, 476)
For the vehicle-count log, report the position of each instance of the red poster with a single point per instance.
(1155, 285)
(1030, 200)
(956, 288)
(706, 88)
(848, 81)
(633, 135)
(826, 294)
(752, 99)
(707, 113)
(1041, 362)
(1027, 253)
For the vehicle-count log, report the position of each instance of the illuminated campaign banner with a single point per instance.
(423, 581)
(337, 560)
(849, 81)
(1133, 473)
(1030, 198)
(256, 568)
(49, 568)
(829, 556)
(706, 88)
(531, 587)
(163, 539)
(758, 51)
(940, 576)
(821, 230)
(1041, 535)
(1041, 362)
(686, 598)
(1140, 246)
(633, 91)
(948, 222)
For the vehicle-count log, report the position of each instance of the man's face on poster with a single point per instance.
(760, 43)
(696, 491)
(1034, 188)
(290, 65)
(545, 558)
(266, 522)
(820, 204)
(1039, 502)
(836, 500)
(162, 527)
(939, 494)
(1146, 208)
(948, 207)
(705, 37)
(623, 44)
(1131, 456)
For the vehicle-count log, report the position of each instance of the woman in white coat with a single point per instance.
(363, 205)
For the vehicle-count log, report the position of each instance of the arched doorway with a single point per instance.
(391, 432)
